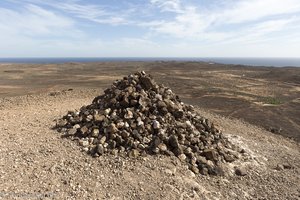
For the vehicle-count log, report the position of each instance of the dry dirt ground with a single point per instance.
(268, 97)
(36, 163)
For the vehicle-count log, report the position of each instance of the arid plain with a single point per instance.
(265, 96)
(246, 103)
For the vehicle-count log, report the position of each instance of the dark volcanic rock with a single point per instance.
(137, 116)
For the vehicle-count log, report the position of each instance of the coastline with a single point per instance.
(246, 61)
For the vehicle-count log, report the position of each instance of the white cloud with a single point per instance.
(237, 27)
(168, 5)
(31, 29)
(33, 20)
(92, 12)
(255, 19)
(245, 10)
(186, 24)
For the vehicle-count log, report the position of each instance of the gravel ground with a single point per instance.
(36, 163)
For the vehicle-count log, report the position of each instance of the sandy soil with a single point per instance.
(268, 97)
(36, 163)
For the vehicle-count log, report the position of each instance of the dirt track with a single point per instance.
(35, 161)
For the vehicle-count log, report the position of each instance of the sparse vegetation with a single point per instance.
(272, 100)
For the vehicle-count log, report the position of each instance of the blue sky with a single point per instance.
(150, 28)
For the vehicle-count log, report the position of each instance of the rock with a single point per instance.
(72, 131)
(275, 130)
(287, 166)
(202, 160)
(204, 171)
(99, 118)
(140, 123)
(84, 143)
(195, 169)
(169, 172)
(147, 82)
(95, 132)
(125, 102)
(107, 111)
(76, 126)
(279, 167)
(229, 158)
(136, 116)
(86, 149)
(100, 149)
(112, 128)
(125, 134)
(173, 141)
(128, 115)
(182, 157)
(216, 170)
(162, 147)
(84, 130)
(176, 148)
(178, 113)
(102, 140)
(61, 122)
(161, 104)
(120, 125)
(240, 171)
(134, 153)
(89, 118)
(156, 124)
(210, 154)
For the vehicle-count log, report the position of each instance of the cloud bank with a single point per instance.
(150, 28)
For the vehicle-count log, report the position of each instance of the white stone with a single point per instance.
(156, 124)
(140, 123)
(107, 111)
(128, 115)
(188, 123)
(76, 126)
(120, 124)
(158, 96)
(182, 157)
(84, 143)
(126, 124)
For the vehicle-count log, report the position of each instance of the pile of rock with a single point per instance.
(136, 116)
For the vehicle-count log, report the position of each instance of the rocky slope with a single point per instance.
(37, 164)
(136, 116)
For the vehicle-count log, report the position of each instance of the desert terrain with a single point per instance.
(247, 103)
(268, 97)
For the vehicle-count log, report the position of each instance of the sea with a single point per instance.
(274, 62)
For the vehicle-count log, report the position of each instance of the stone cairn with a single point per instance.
(136, 116)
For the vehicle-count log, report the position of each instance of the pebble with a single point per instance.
(134, 153)
(95, 132)
(162, 147)
(182, 157)
(128, 115)
(279, 167)
(240, 171)
(156, 124)
(195, 169)
(98, 117)
(84, 143)
(72, 131)
(107, 111)
(102, 140)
